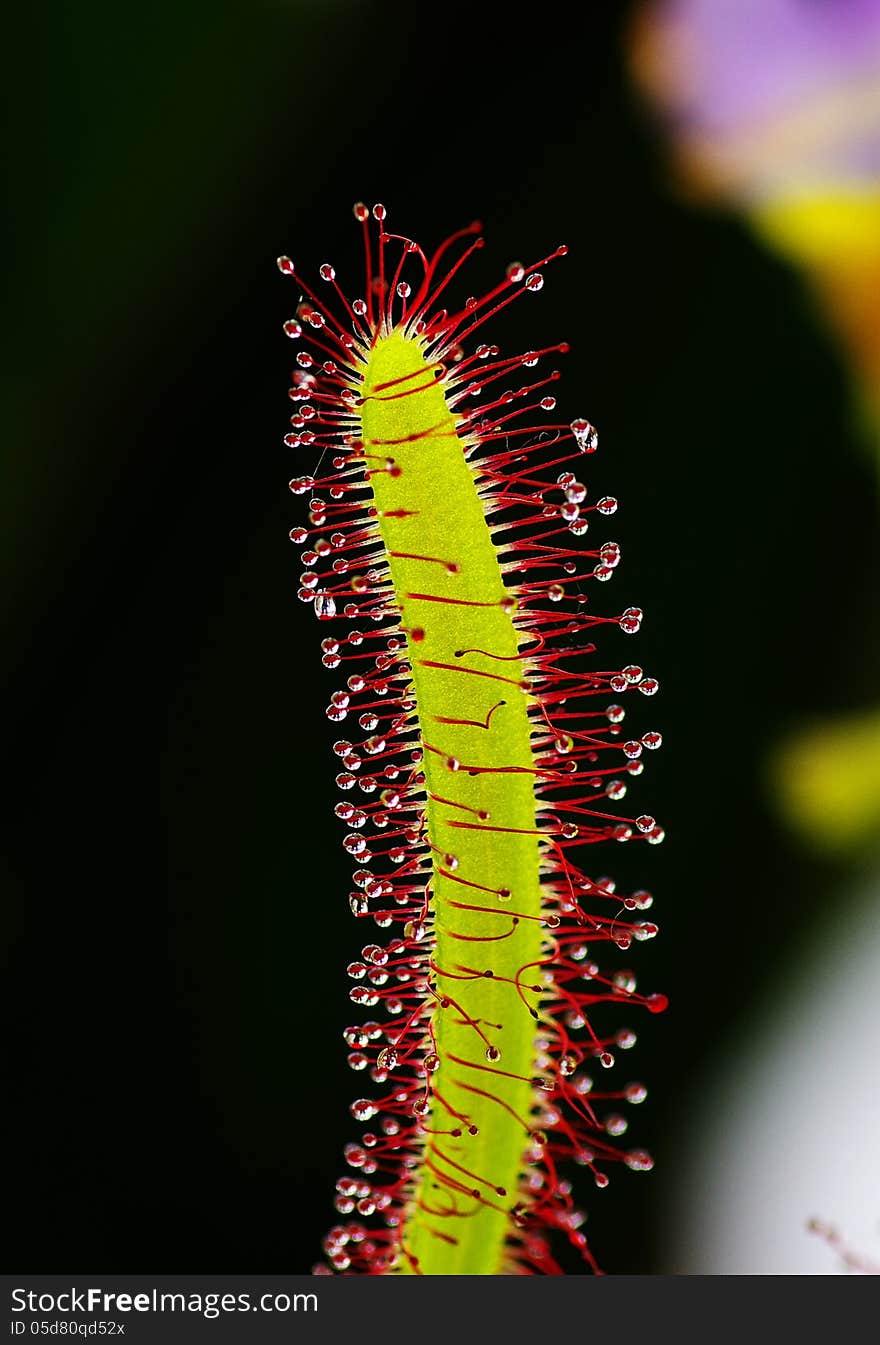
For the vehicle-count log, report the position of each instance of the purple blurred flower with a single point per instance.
(780, 93)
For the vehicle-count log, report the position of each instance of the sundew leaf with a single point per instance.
(445, 532)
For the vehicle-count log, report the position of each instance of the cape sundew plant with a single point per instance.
(445, 536)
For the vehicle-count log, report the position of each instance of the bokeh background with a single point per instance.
(177, 925)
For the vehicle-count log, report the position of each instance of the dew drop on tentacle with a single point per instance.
(585, 435)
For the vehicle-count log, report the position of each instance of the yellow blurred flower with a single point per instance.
(826, 781)
(774, 105)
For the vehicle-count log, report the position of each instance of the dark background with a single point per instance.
(177, 923)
